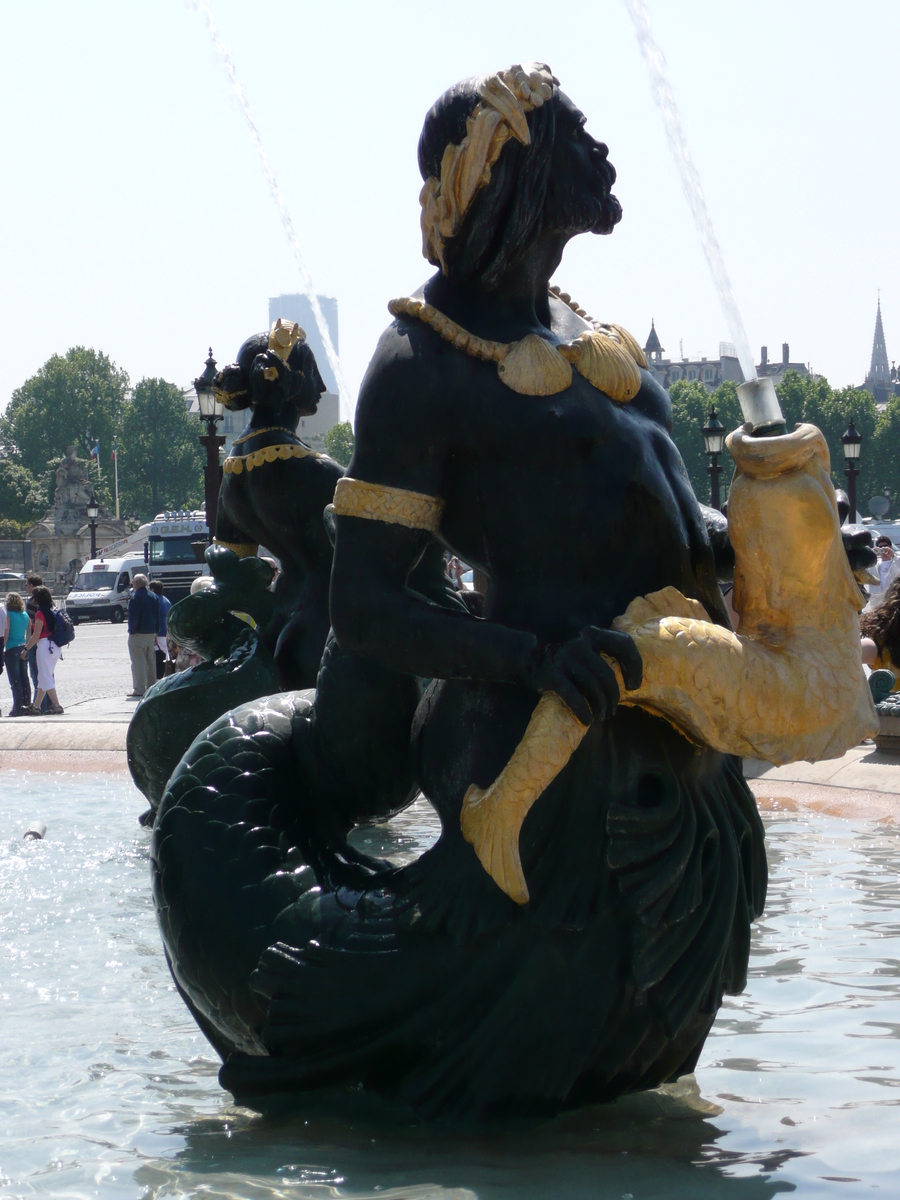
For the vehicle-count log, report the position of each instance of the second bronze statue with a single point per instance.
(275, 489)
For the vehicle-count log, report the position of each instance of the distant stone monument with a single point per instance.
(61, 540)
(71, 496)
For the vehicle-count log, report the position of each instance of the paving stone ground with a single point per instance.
(95, 666)
(92, 680)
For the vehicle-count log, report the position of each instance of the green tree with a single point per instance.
(814, 400)
(691, 403)
(72, 400)
(22, 499)
(802, 398)
(160, 457)
(881, 457)
(339, 442)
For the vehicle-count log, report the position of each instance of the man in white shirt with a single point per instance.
(888, 568)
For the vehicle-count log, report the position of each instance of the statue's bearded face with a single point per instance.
(579, 191)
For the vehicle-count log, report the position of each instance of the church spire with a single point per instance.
(653, 346)
(879, 370)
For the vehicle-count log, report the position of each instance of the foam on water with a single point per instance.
(690, 180)
(108, 1088)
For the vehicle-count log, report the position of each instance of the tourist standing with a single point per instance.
(32, 582)
(888, 568)
(4, 629)
(48, 653)
(162, 645)
(880, 632)
(143, 622)
(15, 655)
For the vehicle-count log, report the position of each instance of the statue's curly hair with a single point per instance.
(506, 215)
(882, 624)
(233, 382)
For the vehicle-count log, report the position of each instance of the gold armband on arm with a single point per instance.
(394, 506)
(241, 549)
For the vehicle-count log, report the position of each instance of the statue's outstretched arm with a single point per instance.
(789, 686)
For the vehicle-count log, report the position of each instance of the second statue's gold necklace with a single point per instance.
(252, 433)
(607, 356)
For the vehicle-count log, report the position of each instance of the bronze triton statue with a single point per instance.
(571, 934)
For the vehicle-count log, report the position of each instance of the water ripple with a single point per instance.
(109, 1088)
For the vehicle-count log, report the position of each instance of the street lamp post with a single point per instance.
(93, 512)
(714, 441)
(211, 412)
(852, 441)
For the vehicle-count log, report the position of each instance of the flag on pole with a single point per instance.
(114, 445)
(95, 452)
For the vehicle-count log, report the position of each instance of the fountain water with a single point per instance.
(224, 56)
(757, 397)
(690, 180)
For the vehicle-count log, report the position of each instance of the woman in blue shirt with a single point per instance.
(15, 656)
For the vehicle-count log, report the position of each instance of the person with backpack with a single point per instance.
(48, 651)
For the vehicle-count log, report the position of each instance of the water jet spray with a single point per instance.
(224, 56)
(757, 397)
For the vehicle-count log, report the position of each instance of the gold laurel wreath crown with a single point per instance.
(505, 98)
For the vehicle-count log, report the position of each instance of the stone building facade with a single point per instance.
(713, 371)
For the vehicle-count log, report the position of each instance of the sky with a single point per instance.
(135, 217)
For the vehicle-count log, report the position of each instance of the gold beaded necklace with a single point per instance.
(607, 356)
(252, 433)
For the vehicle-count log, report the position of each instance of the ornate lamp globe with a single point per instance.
(852, 441)
(714, 433)
(210, 408)
(93, 509)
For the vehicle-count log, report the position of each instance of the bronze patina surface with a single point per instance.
(577, 728)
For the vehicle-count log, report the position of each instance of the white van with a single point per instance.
(103, 589)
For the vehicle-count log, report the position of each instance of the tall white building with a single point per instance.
(296, 307)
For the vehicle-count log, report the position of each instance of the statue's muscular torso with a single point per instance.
(572, 504)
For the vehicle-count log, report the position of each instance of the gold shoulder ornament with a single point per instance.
(393, 505)
(607, 356)
(788, 686)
